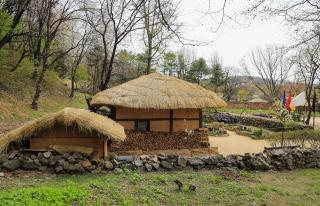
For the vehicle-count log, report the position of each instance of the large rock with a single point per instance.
(182, 162)
(29, 165)
(12, 165)
(58, 169)
(196, 163)
(137, 162)
(148, 167)
(73, 168)
(86, 164)
(125, 159)
(53, 160)
(166, 165)
(155, 165)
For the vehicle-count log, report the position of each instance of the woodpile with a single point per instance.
(161, 141)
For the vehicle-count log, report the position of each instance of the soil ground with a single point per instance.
(237, 144)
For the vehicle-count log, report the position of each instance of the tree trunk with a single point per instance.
(34, 104)
(110, 67)
(149, 59)
(309, 111)
(5, 40)
(72, 85)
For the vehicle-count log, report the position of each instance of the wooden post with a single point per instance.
(105, 149)
(200, 118)
(171, 120)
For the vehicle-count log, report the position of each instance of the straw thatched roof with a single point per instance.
(158, 91)
(84, 120)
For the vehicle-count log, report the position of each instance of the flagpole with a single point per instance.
(314, 108)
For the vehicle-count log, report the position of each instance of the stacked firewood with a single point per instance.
(148, 141)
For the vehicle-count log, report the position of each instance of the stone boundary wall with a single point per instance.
(255, 121)
(271, 159)
(249, 105)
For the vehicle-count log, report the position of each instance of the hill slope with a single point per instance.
(17, 89)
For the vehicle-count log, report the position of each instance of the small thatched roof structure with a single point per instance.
(83, 119)
(158, 91)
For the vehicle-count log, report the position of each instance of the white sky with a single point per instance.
(233, 40)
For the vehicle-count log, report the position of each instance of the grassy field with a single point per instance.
(301, 187)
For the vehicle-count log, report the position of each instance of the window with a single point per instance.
(142, 125)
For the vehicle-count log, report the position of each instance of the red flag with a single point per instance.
(288, 102)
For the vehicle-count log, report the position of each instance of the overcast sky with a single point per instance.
(234, 39)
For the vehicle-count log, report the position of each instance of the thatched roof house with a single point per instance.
(67, 128)
(157, 102)
(158, 91)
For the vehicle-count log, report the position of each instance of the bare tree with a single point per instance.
(113, 21)
(271, 67)
(156, 32)
(302, 15)
(16, 9)
(231, 83)
(46, 17)
(307, 61)
(77, 54)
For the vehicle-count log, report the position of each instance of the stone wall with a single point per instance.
(270, 159)
(249, 105)
(255, 121)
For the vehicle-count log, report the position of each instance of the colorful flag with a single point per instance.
(284, 100)
(288, 102)
(299, 100)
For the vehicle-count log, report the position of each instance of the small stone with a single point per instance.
(166, 165)
(155, 165)
(13, 154)
(53, 160)
(77, 155)
(11, 165)
(138, 163)
(58, 169)
(86, 164)
(1, 174)
(33, 157)
(154, 159)
(65, 156)
(61, 162)
(71, 159)
(148, 167)
(108, 165)
(47, 154)
(118, 170)
(43, 161)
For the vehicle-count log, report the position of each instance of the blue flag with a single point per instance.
(284, 99)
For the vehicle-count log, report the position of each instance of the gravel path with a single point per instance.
(237, 144)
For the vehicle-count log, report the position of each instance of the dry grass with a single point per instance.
(158, 91)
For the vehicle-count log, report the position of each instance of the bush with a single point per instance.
(257, 132)
(291, 125)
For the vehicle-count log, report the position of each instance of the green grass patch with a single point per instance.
(132, 188)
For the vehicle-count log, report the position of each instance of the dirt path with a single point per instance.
(237, 144)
